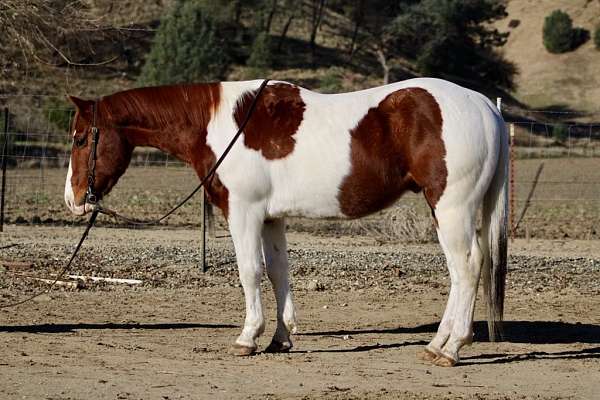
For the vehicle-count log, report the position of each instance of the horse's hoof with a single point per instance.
(241, 350)
(278, 347)
(444, 361)
(427, 355)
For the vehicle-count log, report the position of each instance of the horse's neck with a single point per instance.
(173, 119)
(175, 141)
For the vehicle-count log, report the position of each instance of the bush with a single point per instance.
(260, 55)
(331, 81)
(558, 32)
(58, 113)
(560, 132)
(597, 37)
(186, 48)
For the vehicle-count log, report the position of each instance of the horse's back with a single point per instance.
(354, 153)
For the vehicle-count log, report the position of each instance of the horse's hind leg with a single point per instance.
(434, 349)
(465, 259)
(276, 261)
(245, 224)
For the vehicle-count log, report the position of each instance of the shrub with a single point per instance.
(186, 47)
(331, 81)
(58, 113)
(560, 132)
(260, 59)
(597, 37)
(399, 224)
(558, 32)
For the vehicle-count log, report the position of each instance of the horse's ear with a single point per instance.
(83, 106)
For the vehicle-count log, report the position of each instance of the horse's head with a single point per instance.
(113, 153)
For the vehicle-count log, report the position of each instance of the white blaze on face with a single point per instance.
(69, 195)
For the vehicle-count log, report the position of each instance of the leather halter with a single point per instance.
(90, 195)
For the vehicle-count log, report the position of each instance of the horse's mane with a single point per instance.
(162, 106)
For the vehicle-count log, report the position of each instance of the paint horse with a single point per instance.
(315, 155)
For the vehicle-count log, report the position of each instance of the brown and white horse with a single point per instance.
(314, 155)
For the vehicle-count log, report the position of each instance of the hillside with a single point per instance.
(567, 81)
(570, 80)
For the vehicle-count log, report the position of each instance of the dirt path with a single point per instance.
(358, 337)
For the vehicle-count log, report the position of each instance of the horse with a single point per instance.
(315, 155)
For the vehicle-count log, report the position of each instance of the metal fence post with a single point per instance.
(203, 230)
(4, 150)
(511, 192)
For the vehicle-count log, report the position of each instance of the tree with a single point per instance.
(290, 12)
(260, 56)
(316, 8)
(371, 20)
(453, 38)
(186, 47)
(558, 32)
(39, 28)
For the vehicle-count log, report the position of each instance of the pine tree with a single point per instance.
(186, 47)
(260, 55)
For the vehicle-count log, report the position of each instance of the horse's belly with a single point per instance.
(304, 203)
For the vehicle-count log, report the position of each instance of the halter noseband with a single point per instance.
(90, 195)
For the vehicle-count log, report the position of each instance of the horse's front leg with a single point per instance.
(276, 261)
(245, 224)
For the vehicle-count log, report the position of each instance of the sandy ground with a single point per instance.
(376, 306)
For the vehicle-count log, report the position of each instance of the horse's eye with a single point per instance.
(80, 142)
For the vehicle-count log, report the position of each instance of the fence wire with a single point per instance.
(565, 204)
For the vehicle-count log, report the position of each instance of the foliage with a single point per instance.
(558, 32)
(39, 28)
(454, 38)
(58, 113)
(331, 81)
(560, 132)
(200, 39)
(260, 55)
(597, 37)
(186, 47)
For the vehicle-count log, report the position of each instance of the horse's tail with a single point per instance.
(494, 230)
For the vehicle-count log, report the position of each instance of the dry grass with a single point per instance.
(566, 203)
(403, 224)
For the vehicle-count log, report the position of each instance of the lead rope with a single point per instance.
(99, 209)
(65, 268)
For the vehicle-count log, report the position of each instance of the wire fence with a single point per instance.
(38, 145)
(565, 202)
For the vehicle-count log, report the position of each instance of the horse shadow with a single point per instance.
(522, 332)
(70, 328)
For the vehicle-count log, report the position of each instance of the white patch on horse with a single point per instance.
(70, 196)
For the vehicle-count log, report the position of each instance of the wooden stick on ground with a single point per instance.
(109, 280)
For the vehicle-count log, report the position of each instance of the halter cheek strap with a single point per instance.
(90, 195)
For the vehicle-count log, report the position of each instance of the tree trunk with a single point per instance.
(358, 18)
(271, 15)
(238, 11)
(317, 15)
(384, 65)
(286, 27)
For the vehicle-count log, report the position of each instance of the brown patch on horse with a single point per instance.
(172, 118)
(276, 118)
(397, 146)
(114, 154)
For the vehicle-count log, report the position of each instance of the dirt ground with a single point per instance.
(371, 310)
